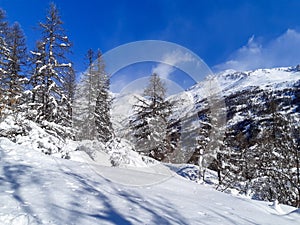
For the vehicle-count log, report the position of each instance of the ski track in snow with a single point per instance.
(40, 189)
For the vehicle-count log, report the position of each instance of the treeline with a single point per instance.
(40, 84)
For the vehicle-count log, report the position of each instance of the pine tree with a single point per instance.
(50, 71)
(150, 122)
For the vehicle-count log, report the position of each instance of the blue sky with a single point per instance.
(244, 34)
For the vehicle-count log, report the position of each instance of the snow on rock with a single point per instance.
(40, 189)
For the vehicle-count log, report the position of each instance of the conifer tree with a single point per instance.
(16, 67)
(51, 67)
(85, 100)
(92, 101)
(103, 102)
(150, 122)
(37, 81)
(70, 88)
(4, 59)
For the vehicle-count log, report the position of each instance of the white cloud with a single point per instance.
(171, 60)
(163, 70)
(281, 51)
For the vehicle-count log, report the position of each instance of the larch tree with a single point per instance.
(16, 67)
(37, 81)
(150, 120)
(84, 102)
(103, 102)
(70, 88)
(92, 101)
(50, 69)
(4, 59)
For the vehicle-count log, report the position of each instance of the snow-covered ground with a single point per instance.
(40, 189)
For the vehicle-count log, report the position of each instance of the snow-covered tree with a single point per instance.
(203, 141)
(278, 158)
(260, 155)
(92, 101)
(51, 67)
(37, 80)
(70, 88)
(206, 127)
(273, 147)
(16, 66)
(294, 157)
(150, 121)
(103, 103)
(4, 59)
(84, 102)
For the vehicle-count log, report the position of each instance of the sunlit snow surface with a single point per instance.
(232, 81)
(40, 189)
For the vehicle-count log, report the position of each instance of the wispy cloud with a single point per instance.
(281, 51)
(163, 70)
(171, 60)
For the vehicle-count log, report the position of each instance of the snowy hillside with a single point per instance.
(38, 189)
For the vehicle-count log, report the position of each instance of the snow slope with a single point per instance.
(40, 189)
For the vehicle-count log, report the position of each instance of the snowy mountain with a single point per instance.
(238, 94)
(245, 125)
(233, 81)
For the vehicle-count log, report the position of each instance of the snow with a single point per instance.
(65, 65)
(42, 68)
(232, 81)
(8, 124)
(40, 189)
